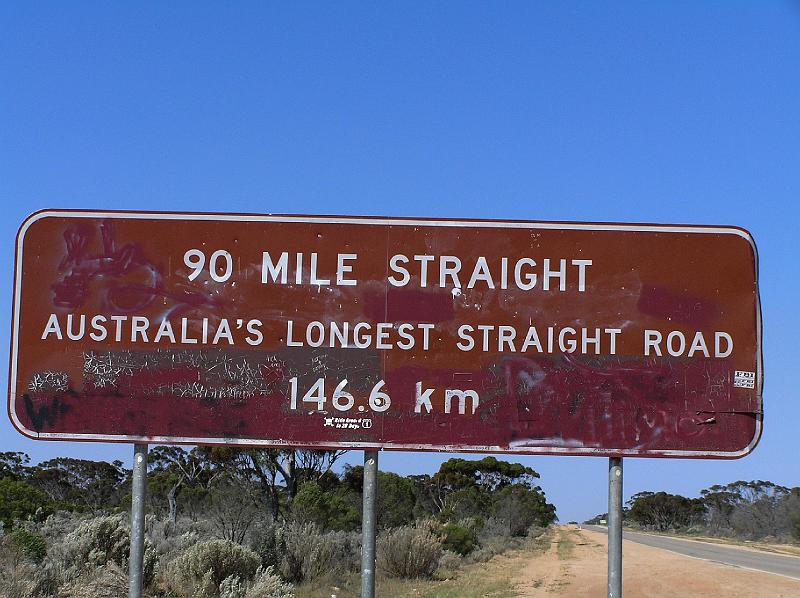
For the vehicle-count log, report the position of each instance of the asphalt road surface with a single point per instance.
(718, 553)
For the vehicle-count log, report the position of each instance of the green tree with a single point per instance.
(14, 465)
(328, 509)
(20, 501)
(277, 474)
(80, 483)
(522, 507)
(663, 511)
(469, 488)
(396, 497)
(173, 469)
(749, 509)
(719, 502)
(231, 512)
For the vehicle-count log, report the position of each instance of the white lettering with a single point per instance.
(718, 351)
(342, 269)
(462, 400)
(395, 267)
(652, 340)
(272, 270)
(52, 327)
(422, 399)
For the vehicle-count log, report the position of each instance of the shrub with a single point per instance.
(101, 541)
(173, 538)
(333, 552)
(269, 544)
(202, 568)
(267, 584)
(485, 553)
(301, 552)
(232, 587)
(47, 579)
(458, 539)
(536, 531)
(491, 545)
(60, 524)
(108, 581)
(29, 544)
(449, 563)
(16, 575)
(493, 528)
(15, 571)
(408, 552)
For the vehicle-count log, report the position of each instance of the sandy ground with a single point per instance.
(575, 565)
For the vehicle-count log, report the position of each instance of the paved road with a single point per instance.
(718, 553)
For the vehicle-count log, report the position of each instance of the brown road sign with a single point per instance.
(486, 336)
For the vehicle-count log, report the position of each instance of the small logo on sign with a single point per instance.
(347, 423)
(743, 379)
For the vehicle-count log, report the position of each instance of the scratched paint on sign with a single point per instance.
(405, 334)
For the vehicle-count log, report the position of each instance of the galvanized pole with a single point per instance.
(368, 524)
(138, 492)
(615, 527)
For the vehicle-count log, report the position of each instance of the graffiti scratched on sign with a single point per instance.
(487, 336)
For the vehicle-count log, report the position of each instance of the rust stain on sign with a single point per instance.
(519, 337)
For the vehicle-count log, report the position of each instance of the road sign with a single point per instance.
(485, 336)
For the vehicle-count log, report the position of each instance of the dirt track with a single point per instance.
(575, 565)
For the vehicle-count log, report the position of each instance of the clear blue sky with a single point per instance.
(668, 112)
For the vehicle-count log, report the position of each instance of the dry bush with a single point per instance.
(498, 545)
(266, 584)
(107, 581)
(325, 554)
(47, 579)
(21, 576)
(232, 587)
(60, 524)
(408, 552)
(100, 540)
(200, 570)
(492, 529)
(170, 538)
(97, 542)
(16, 571)
(486, 552)
(302, 552)
(86, 561)
(535, 532)
(268, 541)
(449, 563)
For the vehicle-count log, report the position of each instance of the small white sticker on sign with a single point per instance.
(743, 379)
(347, 423)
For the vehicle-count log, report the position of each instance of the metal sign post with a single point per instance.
(138, 493)
(615, 527)
(368, 524)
